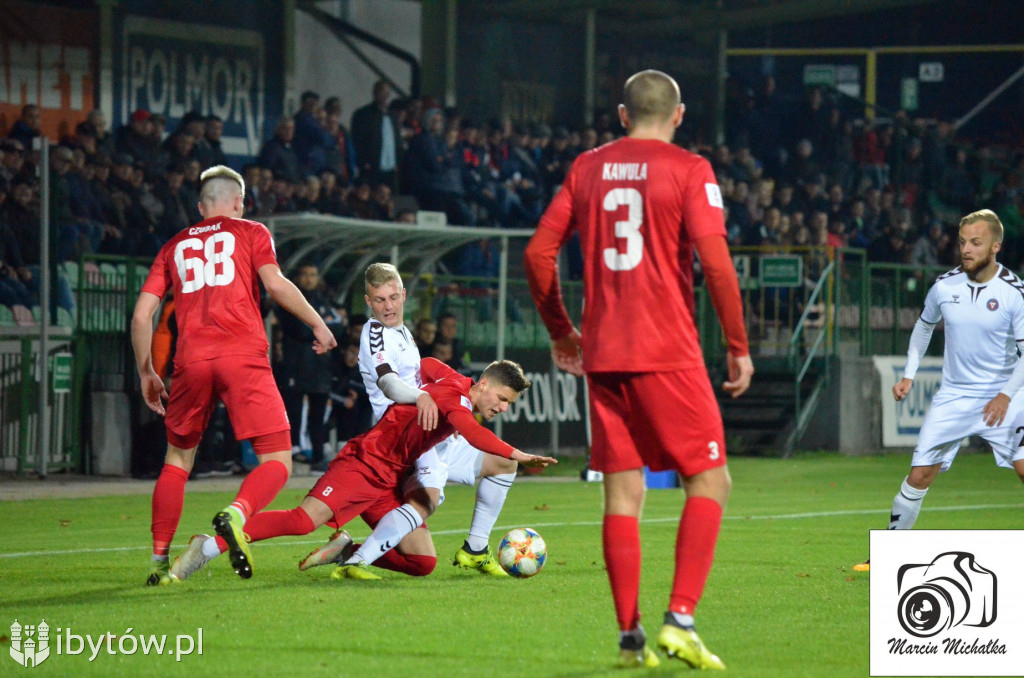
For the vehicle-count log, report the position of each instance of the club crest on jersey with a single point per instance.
(956, 299)
(992, 304)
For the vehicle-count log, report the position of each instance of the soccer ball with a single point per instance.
(522, 552)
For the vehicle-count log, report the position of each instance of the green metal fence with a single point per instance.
(871, 307)
(19, 402)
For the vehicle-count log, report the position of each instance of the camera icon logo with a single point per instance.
(951, 590)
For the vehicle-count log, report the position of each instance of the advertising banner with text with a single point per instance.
(47, 59)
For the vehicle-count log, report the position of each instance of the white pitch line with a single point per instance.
(588, 523)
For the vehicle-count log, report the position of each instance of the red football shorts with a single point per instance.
(245, 384)
(349, 492)
(668, 421)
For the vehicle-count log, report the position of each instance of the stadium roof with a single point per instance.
(672, 17)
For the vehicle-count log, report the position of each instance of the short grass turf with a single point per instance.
(782, 600)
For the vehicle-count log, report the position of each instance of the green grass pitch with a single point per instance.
(782, 600)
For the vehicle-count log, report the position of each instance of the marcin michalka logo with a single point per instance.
(30, 645)
(952, 590)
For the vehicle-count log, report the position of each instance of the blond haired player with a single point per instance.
(981, 303)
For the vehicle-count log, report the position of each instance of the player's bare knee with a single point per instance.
(922, 477)
(424, 500)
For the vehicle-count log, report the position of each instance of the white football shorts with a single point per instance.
(952, 417)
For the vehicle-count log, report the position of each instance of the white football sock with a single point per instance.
(490, 497)
(210, 548)
(391, 529)
(905, 507)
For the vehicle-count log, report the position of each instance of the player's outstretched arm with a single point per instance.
(153, 390)
(532, 460)
(290, 298)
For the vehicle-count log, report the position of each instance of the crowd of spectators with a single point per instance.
(791, 175)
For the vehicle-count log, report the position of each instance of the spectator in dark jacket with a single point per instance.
(279, 155)
(302, 374)
(376, 138)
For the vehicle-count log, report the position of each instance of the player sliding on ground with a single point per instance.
(367, 475)
(641, 205)
(214, 269)
(390, 366)
(981, 303)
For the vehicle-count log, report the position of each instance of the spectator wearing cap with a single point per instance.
(375, 137)
(213, 129)
(28, 127)
(136, 138)
(278, 154)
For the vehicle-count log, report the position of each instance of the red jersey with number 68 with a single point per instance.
(639, 205)
(212, 268)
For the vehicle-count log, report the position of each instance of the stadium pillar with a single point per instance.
(439, 27)
(105, 95)
(870, 83)
(502, 313)
(721, 75)
(288, 18)
(46, 270)
(589, 48)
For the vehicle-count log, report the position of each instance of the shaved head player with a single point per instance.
(641, 206)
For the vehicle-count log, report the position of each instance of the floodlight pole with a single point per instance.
(43, 430)
(502, 315)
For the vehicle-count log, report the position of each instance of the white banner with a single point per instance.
(901, 421)
(946, 603)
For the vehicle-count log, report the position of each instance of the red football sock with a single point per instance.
(267, 524)
(168, 500)
(260, 487)
(621, 537)
(695, 550)
(414, 566)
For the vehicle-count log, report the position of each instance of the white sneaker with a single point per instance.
(336, 551)
(193, 559)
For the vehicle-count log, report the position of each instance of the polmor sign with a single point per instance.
(172, 67)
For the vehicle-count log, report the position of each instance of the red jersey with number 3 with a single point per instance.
(639, 205)
(212, 268)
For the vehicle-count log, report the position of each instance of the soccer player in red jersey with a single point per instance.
(368, 475)
(214, 269)
(641, 206)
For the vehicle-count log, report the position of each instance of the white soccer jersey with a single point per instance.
(984, 323)
(394, 346)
